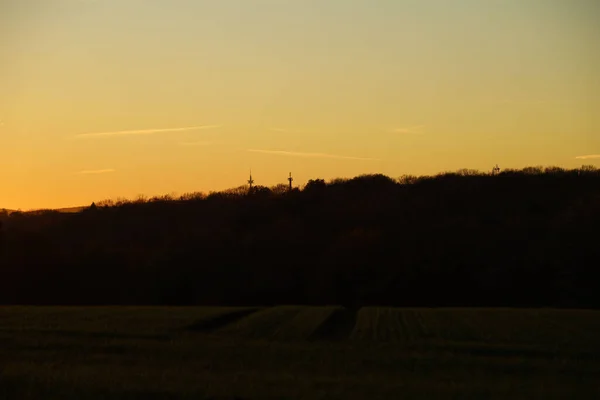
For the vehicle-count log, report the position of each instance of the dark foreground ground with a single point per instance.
(297, 353)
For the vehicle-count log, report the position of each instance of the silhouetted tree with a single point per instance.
(520, 238)
(315, 185)
(280, 189)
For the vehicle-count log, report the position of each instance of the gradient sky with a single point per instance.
(107, 98)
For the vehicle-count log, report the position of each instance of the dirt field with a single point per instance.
(294, 352)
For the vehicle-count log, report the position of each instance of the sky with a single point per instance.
(101, 99)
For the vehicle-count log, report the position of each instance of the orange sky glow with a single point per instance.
(102, 99)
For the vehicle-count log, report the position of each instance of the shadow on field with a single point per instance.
(338, 326)
(522, 352)
(219, 321)
(26, 388)
(94, 335)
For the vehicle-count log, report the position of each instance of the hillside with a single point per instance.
(517, 239)
(60, 210)
(71, 209)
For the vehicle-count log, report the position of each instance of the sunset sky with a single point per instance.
(114, 98)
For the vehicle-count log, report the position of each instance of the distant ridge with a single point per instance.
(65, 210)
(71, 209)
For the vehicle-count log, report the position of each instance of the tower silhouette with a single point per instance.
(290, 180)
(250, 181)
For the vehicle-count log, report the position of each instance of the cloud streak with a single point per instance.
(199, 143)
(309, 155)
(96, 171)
(290, 131)
(146, 131)
(588, 157)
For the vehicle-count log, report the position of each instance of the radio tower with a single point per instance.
(250, 181)
(290, 180)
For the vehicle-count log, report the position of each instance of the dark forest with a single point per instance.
(518, 238)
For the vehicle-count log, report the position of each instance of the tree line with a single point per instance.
(518, 238)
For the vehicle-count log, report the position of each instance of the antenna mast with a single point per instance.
(290, 179)
(250, 181)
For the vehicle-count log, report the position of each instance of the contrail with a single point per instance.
(147, 131)
(311, 155)
(590, 157)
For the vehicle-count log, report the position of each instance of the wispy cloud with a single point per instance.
(199, 143)
(288, 130)
(523, 101)
(96, 171)
(410, 129)
(146, 131)
(588, 157)
(309, 155)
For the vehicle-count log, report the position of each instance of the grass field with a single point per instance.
(294, 352)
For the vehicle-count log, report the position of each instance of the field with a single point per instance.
(291, 352)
